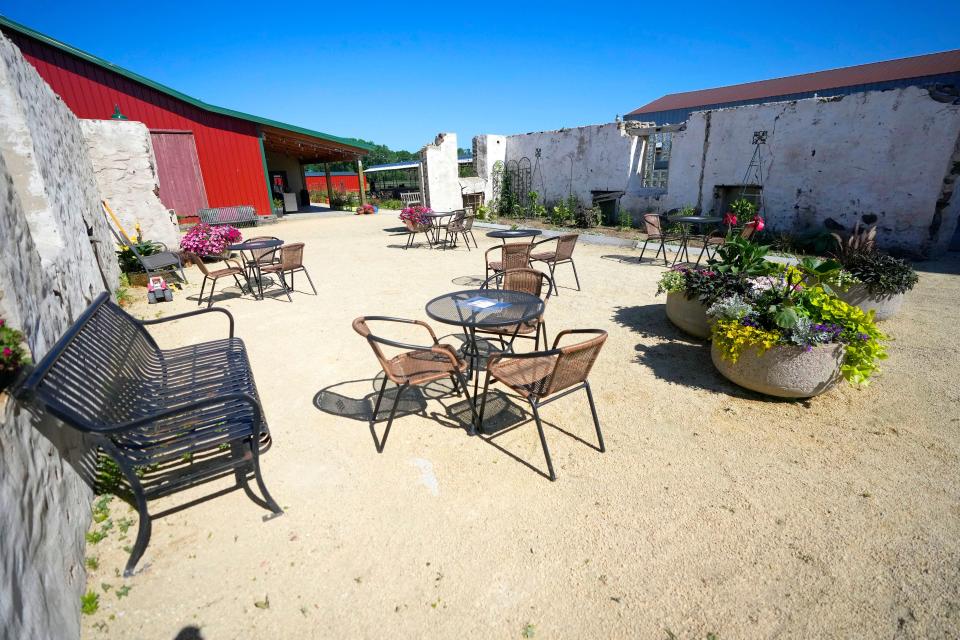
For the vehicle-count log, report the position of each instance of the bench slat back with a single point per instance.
(104, 371)
(237, 215)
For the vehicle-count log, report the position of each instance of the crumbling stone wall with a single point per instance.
(49, 272)
(126, 172)
(878, 157)
(440, 174)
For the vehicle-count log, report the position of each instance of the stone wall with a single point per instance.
(49, 272)
(126, 172)
(880, 157)
(439, 175)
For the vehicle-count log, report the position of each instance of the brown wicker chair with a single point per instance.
(562, 254)
(515, 255)
(715, 240)
(541, 377)
(265, 256)
(528, 281)
(452, 228)
(461, 225)
(215, 275)
(416, 365)
(291, 261)
(653, 225)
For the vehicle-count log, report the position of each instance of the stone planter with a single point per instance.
(784, 371)
(688, 315)
(884, 306)
(138, 279)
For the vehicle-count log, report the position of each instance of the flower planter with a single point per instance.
(416, 228)
(688, 315)
(883, 306)
(138, 279)
(784, 371)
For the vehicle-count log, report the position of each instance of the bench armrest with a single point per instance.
(187, 408)
(189, 314)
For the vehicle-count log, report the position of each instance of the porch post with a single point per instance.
(326, 169)
(363, 191)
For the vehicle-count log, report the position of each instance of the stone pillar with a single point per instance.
(326, 170)
(440, 174)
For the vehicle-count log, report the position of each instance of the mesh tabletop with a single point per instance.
(485, 308)
(438, 214)
(514, 233)
(255, 244)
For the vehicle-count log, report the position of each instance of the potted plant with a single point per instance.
(278, 207)
(791, 340)
(415, 218)
(208, 241)
(13, 355)
(690, 292)
(877, 281)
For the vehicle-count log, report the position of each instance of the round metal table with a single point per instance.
(252, 264)
(436, 218)
(685, 236)
(480, 309)
(506, 234)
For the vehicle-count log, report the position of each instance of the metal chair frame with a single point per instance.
(501, 279)
(155, 411)
(554, 263)
(213, 276)
(659, 236)
(537, 402)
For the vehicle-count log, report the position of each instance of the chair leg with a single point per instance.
(483, 405)
(380, 444)
(543, 440)
(553, 278)
(213, 285)
(704, 248)
(575, 276)
(644, 249)
(202, 287)
(596, 420)
(307, 273)
(239, 284)
(286, 289)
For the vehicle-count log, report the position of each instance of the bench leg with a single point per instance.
(267, 501)
(144, 527)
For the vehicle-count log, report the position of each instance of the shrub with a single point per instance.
(343, 199)
(390, 203)
(206, 240)
(13, 355)
(882, 274)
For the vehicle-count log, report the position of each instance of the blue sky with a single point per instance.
(400, 72)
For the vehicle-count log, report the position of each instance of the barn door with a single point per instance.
(181, 184)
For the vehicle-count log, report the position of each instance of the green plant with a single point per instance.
(701, 284)
(741, 256)
(342, 199)
(390, 203)
(626, 220)
(89, 603)
(278, 204)
(13, 355)
(123, 591)
(881, 273)
(92, 562)
(583, 217)
(743, 208)
(827, 274)
(128, 260)
(124, 297)
(483, 211)
(560, 213)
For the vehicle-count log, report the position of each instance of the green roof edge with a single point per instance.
(136, 77)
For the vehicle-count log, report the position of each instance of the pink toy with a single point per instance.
(158, 291)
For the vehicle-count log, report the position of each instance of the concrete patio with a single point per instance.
(713, 511)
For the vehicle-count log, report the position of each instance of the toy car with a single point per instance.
(158, 291)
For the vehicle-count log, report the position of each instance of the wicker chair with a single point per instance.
(562, 254)
(653, 225)
(515, 255)
(215, 275)
(462, 226)
(452, 228)
(265, 256)
(528, 281)
(541, 377)
(291, 261)
(714, 240)
(414, 229)
(415, 366)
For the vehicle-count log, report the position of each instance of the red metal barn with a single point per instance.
(206, 155)
(342, 180)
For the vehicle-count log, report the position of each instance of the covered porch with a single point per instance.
(286, 152)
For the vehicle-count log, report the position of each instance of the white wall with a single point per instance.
(879, 155)
(439, 175)
(126, 170)
(49, 273)
(280, 162)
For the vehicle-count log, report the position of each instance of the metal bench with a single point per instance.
(170, 418)
(238, 216)
(410, 199)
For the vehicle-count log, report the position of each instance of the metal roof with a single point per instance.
(62, 46)
(877, 72)
(410, 164)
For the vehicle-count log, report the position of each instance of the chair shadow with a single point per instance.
(189, 633)
(396, 230)
(356, 403)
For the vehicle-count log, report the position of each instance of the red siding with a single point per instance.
(228, 148)
(178, 169)
(347, 183)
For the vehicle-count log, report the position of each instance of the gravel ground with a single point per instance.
(713, 511)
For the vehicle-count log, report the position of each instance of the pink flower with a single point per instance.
(757, 220)
(7, 352)
(2, 322)
(730, 219)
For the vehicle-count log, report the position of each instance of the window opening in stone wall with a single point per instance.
(656, 161)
